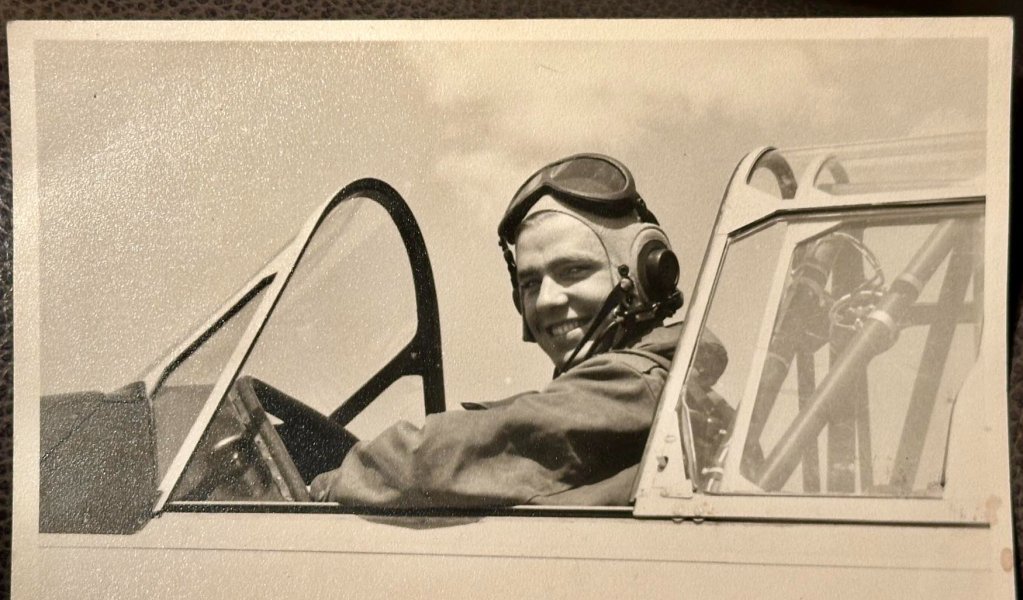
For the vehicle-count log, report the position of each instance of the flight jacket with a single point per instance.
(578, 441)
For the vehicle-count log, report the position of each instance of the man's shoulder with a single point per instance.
(660, 340)
(656, 349)
(653, 351)
(635, 361)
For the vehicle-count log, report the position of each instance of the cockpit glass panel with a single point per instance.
(736, 311)
(854, 378)
(927, 163)
(402, 398)
(348, 309)
(186, 385)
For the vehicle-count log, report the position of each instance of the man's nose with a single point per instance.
(551, 294)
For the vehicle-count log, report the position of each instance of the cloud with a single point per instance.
(585, 94)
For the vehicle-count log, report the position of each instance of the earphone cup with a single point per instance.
(658, 270)
(655, 266)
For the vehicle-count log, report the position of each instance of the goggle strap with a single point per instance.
(584, 205)
(644, 213)
(509, 260)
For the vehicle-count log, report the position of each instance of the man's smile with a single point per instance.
(561, 328)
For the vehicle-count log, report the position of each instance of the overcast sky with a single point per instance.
(169, 172)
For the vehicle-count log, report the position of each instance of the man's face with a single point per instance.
(564, 278)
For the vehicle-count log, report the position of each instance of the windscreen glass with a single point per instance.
(186, 385)
(851, 338)
(348, 309)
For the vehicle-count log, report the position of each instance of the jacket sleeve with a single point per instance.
(587, 426)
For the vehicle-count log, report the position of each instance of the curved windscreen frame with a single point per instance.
(422, 355)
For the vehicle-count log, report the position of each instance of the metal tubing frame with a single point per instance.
(936, 351)
(872, 339)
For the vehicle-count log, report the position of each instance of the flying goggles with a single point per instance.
(591, 183)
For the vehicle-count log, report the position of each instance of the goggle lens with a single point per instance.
(589, 176)
(591, 182)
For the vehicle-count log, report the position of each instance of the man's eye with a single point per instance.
(528, 284)
(578, 271)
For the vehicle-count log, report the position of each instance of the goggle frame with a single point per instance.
(546, 182)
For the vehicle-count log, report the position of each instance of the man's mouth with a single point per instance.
(563, 327)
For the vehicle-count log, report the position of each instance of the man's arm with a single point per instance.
(587, 426)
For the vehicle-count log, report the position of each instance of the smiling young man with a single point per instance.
(563, 280)
(593, 277)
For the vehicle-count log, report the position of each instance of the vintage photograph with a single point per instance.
(514, 309)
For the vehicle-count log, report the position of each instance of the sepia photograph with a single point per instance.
(511, 309)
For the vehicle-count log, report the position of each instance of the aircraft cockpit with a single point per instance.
(846, 284)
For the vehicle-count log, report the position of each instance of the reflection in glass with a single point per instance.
(877, 326)
(734, 319)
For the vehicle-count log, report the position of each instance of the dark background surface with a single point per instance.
(466, 9)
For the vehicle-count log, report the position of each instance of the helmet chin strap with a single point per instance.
(621, 319)
(617, 298)
(613, 306)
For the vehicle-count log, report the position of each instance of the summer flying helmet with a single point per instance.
(601, 193)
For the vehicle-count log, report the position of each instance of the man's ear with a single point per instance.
(527, 335)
